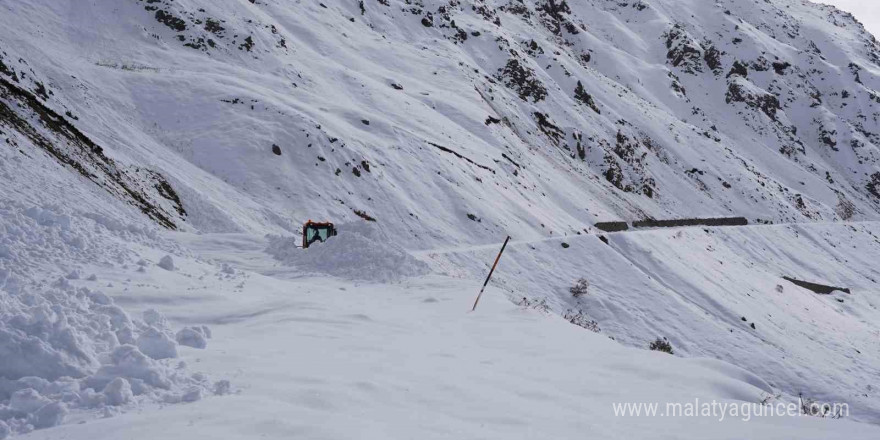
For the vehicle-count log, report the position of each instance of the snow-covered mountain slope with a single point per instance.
(535, 117)
(448, 125)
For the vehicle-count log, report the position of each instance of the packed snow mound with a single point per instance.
(67, 347)
(64, 346)
(359, 252)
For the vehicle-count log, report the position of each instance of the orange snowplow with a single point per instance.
(317, 231)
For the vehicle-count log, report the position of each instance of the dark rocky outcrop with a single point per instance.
(817, 288)
(721, 221)
(612, 226)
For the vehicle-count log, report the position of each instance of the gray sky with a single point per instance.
(866, 11)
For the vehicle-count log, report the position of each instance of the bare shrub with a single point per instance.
(766, 398)
(661, 344)
(580, 288)
(812, 407)
(534, 304)
(579, 319)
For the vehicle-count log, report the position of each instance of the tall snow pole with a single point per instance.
(490, 272)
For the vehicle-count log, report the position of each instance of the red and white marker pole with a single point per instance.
(490, 273)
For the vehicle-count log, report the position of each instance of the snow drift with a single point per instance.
(360, 252)
(64, 346)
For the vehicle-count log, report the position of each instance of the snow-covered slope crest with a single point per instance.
(531, 116)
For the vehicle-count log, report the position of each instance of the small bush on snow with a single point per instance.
(812, 407)
(534, 304)
(580, 319)
(661, 345)
(766, 398)
(580, 288)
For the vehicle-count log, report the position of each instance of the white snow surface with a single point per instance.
(322, 357)
(450, 125)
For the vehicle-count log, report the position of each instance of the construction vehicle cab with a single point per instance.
(317, 231)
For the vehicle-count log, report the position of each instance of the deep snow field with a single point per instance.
(157, 158)
(294, 352)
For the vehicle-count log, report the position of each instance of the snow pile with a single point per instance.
(37, 240)
(68, 347)
(360, 252)
(65, 347)
(29, 233)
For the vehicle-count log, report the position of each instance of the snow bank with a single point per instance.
(360, 252)
(70, 347)
(66, 347)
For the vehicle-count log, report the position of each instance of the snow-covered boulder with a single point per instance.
(193, 394)
(129, 362)
(156, 344)
(118, 392)
(167, 263)
(154, 318)
(49, 415)
(27, 401)
(196, 337)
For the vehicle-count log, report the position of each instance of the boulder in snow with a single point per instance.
(167, 263)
